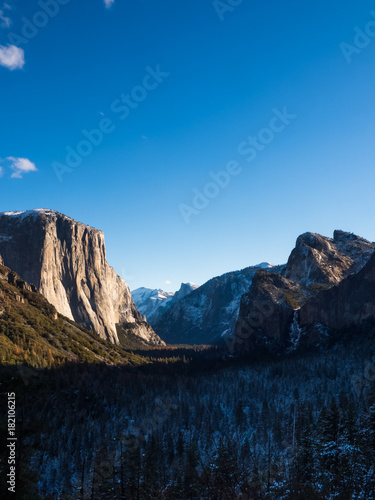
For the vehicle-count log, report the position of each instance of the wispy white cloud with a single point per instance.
(109, 3)
(21, 166)
(168, 282)
(1, 171)
(12, 57)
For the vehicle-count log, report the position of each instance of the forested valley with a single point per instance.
(199, 424)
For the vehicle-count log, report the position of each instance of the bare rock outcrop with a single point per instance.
(348, 304)
(66, 261)
(318, 259)
(326, 284)
(266, 313)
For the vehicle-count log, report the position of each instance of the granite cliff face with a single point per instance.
(266, 313)
(66, 261)
(318, 259)
(350, 303)
(321, 287)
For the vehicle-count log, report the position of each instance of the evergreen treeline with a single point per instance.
(301, 427)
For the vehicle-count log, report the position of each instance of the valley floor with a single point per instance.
(197, 424)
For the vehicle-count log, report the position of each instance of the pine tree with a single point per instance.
(132, 471)
(225, 472)
(191, 477)
(239, 414)
(150, 473)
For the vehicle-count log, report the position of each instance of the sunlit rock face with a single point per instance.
(318, 259)
(66, 261)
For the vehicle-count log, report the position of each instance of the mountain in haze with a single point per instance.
(210, 312)
(153, 303)
(326, 286)
(66, 261)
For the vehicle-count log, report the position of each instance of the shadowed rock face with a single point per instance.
(350, 303)
(66, 260)
(266, 313)
(326, 284)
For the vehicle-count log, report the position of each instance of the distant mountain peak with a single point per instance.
(265, 265)
(152, 303)
(186, 288)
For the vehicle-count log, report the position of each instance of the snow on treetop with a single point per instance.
(27, 213)
(46, 212)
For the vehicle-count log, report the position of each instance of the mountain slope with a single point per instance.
(66, 260)
(208, 313)
(33, 333)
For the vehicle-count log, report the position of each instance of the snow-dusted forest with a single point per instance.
(202, 425)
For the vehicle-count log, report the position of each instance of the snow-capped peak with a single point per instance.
(264, 265)
(27, 213)
(153, 302)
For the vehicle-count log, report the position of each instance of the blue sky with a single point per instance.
(225, 71)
